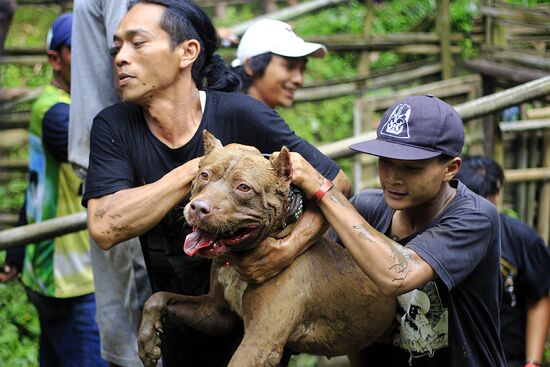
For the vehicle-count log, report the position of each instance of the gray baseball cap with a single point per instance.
(415, 128)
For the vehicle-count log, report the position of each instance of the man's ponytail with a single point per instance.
(216, 76)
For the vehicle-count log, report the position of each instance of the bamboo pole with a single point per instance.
(320, 92)
(443, 21)
(543, 225)
(39, 231)
(506, 98)
(524, 125)
(527, 174)
(531, 187)
(521, 190)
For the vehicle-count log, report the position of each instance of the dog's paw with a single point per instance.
(150, 331)
(149, 342)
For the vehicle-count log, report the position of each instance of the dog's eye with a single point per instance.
(243, 187)
(204, 176)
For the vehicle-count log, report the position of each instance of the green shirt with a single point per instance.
(59, 267)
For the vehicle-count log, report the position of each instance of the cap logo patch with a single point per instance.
(397, 125)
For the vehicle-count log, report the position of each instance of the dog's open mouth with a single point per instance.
(209, 245)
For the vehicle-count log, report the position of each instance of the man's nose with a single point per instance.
(392, 173)
(122, 56)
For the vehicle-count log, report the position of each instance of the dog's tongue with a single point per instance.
(197, 240)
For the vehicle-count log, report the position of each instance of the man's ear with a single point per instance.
(54, 58)
(188, 52)
(247, 69)
(453, 166)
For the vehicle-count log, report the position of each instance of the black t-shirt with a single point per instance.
(525, 269)
(125, 154)
(461, 307)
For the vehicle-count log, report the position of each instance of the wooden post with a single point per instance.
(531, 190)
(499, 38)
(522, 157)
(269, 6)
(364, 63)
(443, 25)
(361, 111)
(488, 23)
(220, 9)
(543, 224)
(357, 123)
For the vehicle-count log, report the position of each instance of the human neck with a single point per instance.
(174, 117)
(60, 83)
(412, 220)
(255, 93)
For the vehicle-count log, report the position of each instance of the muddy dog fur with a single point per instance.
(321, 304)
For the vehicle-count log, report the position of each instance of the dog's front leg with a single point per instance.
(208, 314)
(203, 313)
(151, 326)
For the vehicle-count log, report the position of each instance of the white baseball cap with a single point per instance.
(268, 35)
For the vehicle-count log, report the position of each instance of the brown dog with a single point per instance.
(321, 304)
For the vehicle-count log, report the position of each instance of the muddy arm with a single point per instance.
(273, 255)
(129, 213)
(395, 269)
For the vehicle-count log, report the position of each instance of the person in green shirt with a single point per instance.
(57, 273)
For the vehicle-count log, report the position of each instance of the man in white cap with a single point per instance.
(271, 61)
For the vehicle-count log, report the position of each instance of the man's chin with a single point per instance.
(127, 97)
(287, 103)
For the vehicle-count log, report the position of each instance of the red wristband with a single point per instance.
(321, 191)
(531, 363)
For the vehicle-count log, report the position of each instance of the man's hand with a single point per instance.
(304, 175)
(8, 272)
(273, 255)
(265, 261)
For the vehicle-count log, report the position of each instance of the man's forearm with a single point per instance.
(342, 184)
(538, 321)
(128, 213)
(394, 268)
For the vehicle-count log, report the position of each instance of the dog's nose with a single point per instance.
(200, 208)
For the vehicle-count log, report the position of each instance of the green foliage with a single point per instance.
(345, 19)
(11, 195)
(20, 328)
(529, 3)
(18, 75)
(30, 26)
(234, 15)
(303, 360)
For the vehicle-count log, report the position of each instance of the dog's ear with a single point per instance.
(210, 142)
(283, 166)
